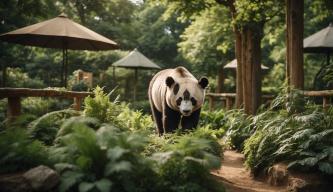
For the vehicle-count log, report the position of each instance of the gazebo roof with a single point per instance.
(135, 59)
(322, 41)
(233, 65)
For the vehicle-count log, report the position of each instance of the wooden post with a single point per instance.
(14, 107)
(295, 27)
(326, 102)
(211, 103)
(77, 103)
(229, 103)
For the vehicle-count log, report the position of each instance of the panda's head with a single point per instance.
(185, 95)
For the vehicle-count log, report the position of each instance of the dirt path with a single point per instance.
(237, 179)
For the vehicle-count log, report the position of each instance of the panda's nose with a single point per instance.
(186, 111)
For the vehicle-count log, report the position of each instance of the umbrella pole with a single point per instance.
(135, 82)
(114, 76)
(328, 58)
(63, 67)
(66, 66)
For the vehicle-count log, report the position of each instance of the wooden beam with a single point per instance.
(25, 92)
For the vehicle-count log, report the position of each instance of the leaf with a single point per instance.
(85, 186)
(113, 167)
(326, 167)
(68, 179)
(103, 185)
(116, 152)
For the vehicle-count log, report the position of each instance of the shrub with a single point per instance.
(19, 152)
(46, 127)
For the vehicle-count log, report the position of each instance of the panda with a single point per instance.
(176, 96)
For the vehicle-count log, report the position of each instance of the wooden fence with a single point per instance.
(14, 96)
(229, 98)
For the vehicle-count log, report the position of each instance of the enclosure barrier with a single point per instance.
(229, 98)
(14, 96)
(325, 94)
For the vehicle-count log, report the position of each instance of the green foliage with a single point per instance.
(297, 133)
(17, 78)
(46, 127)
(100, 106)
(188, 159)
(240, 127)
(19, 152)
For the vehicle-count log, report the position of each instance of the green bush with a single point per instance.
(19, 152)
(101, 107)
(46, 127)
(239, 128)
(300, 135)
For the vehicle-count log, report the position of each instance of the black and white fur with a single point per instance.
(176, 96)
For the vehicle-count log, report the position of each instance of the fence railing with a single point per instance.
(14, 96)
(229, 98)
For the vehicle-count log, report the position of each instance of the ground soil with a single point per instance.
(237, 179)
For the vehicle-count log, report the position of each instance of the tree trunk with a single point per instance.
(294, 53)
(239, 71)
(251, 53)
(220, 80)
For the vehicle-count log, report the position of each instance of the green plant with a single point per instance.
(46, 127)
(239, 128)
(109, 156)
(19, 152)
(189, 159)
(101, 107)
(303, 140)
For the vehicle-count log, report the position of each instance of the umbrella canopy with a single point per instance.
(61, 33)
(320, 42)
(137, 60)
(233, 65)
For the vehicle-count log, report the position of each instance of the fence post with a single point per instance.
(211, 102)
(229, 103)
(14, 107)
(326, 102)
(77, 103)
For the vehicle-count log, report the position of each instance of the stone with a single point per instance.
(42, 178)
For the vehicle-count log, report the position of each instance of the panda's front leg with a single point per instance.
(171, 119)
(191, 122)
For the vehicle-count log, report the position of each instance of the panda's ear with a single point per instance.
(203, 82)
(169, 81)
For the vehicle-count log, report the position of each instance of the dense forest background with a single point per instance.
(199, 38)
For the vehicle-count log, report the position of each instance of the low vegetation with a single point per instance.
(110, 147)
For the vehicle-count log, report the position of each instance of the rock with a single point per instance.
(277, 175)
(14, 183)
(42, 178)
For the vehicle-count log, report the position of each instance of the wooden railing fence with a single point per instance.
(229, 98)
(14, 96)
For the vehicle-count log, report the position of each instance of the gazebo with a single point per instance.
(135, 60)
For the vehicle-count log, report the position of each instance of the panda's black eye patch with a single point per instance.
(178, 101)
(176, 89)
(194, 101)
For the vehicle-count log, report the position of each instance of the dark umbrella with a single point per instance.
(320, 42)
(136, 60)
(61, 33)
